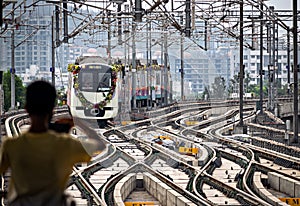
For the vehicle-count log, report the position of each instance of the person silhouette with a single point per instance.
(41, 160)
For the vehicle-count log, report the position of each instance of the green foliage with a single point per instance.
(247, 80)
(282, 90)
(219, 88)
(233, 84)
(255, 89)
(248, 88)
(205, 94)
(19, 94)
(61, 97)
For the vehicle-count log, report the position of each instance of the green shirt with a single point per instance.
(41, 161)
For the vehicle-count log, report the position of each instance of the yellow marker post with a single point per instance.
(138, 203)
(191, 122)
(125, 123)
(291, 201)
(188, 150)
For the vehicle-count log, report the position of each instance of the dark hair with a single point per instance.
(40, 98)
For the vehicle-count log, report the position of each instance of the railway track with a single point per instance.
(206, 178)
(199, 135)
(128, 153)
(192, 170)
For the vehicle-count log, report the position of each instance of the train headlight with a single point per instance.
(94, 111)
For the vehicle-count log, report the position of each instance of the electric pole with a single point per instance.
(295, 55)
(241, 124)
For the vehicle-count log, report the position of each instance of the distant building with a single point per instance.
(33, 48)
(202, 67)
(34, 73)
(32, 42)
(251, 60)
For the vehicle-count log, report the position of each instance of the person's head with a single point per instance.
(40, 98)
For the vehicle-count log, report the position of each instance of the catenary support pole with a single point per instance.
(182, 66)
(288, 61)
(241, 64)
(53, 52)
(166, 79)
(133, 69)
(13, 70)
(261, 59)
(295, 61)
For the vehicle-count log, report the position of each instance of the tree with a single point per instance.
(282, 90)
(219, 88)
(205, 94)
(247, 80)
(233, 84)
(255, 90)
(20, 91)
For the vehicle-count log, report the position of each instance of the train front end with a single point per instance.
(93, 93)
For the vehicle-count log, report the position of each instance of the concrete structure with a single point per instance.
(287, 109)
(124, 187)
(163, 193)
(263, 192)
(180, 178)
(159, 190)
(284, 184)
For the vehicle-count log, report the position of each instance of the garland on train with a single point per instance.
(75, 69)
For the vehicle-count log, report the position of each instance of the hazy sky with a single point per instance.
(282, 4)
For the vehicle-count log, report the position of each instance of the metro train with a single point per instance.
(93, 89)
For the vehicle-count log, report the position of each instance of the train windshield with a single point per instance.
(95, 78)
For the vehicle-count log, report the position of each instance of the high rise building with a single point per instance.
(33, 47)
(202, 67)
(251, 60)
(32, 42)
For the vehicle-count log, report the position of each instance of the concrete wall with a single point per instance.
(159, 190)
(287, 185)
(124, 187)
(218, 111)
(284, 184)
(203, 155)
(286, 109)
(163, 193)
(297, 189)
(264, 193)
(274, 180)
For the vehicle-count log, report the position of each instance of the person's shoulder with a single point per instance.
(6, 139)
(9, 141)
(62, 136)
(58, 135)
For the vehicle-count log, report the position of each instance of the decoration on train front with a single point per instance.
(75, 69)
